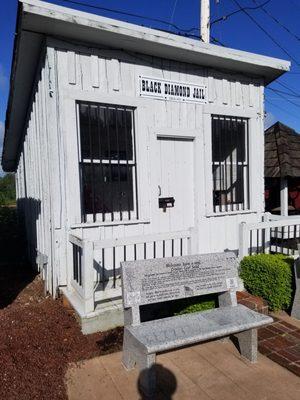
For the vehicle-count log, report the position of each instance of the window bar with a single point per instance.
(127, 167)
(295, 236)
(119, 177)
(231, 166)
(172, 247)
(181, 246)
(235, 131)
(214, 170)
(114, 267)
(263, 239)
(134, 247)
(164, 248)
(276, 239)
(110, 166)
(74, 262)
(83, 211)
(247, 165)
(80, 266)
(103, 269)
(81, 166)
(250, 242)
(145, 251)
(257, 241)
(225, 124)
(282, 238)
(221, 183)
(92, 164)
(124, 252)
(134, 163)
(100, 157)
(154, 249)
(243, 132)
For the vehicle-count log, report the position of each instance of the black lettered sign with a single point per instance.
(171, 90)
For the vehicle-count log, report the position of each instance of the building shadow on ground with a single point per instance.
(15, 270)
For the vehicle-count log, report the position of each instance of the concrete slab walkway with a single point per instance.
(212, 370)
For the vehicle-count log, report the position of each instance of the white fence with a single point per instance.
(275, 234)
(96, 264)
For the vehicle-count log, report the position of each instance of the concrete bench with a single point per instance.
(158, 280)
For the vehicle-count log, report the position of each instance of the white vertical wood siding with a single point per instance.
(39, 194)
(51, 154)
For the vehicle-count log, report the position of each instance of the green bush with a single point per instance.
(270, 277)
(7, 190)
(202, 305)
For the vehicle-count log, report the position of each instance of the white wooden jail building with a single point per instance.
(129, 143)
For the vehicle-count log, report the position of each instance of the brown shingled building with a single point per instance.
(282, 170)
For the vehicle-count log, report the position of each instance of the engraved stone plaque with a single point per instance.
(157, 280)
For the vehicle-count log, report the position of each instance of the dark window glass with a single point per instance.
(108, 168)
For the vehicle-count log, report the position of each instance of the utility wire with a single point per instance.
(185, 32)
(128, 14)
(225, 17)
(282, 109)
(266, 32)
(285, 98)
(286, 87)
(283, 92)
(277, 21)
(173, 12)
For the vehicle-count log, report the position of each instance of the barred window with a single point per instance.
(107, 162)
(230, 167)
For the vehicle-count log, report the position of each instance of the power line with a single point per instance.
(173, 12)
(282, 92)
(128, 14)
(225, 17)
(282, 109)
(286, 99)
(277, 21)
(286, 87)
(185, 32)
(266, 33)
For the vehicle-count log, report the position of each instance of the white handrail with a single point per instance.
(274, 224)
(131, 240)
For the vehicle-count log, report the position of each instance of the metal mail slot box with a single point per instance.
(166, 202)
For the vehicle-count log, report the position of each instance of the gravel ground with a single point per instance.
(38, 336)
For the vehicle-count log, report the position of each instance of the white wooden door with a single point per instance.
(175, 167)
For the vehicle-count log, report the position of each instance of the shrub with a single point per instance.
(7, 190)
(188, 305)
(270, 277)
(201, 305)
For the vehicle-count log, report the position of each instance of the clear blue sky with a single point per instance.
(237, 32)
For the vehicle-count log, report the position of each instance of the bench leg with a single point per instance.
(129, 351)
(248, 344)
(147, 377)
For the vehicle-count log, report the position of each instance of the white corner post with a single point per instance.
(267, 236)
(284, 197)
(88, 276)
(243, 240)
(193, 241)
(205, 21)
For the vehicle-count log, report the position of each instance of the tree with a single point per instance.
(7, 190)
